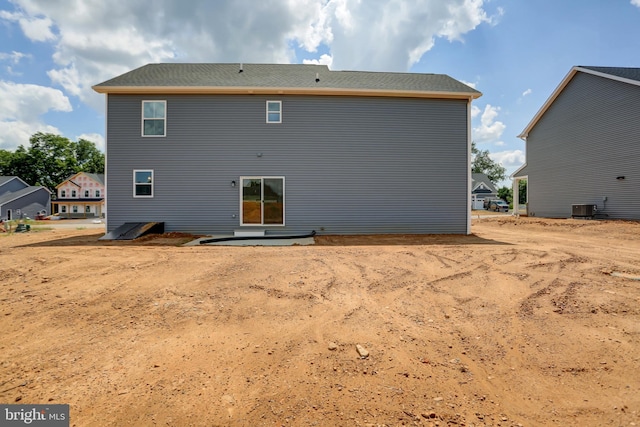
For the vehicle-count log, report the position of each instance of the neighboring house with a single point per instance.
(215, 148)
(80, 196)
(583, 146)
(481, 188)
(21, 200)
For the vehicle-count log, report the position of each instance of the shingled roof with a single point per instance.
(282, 79)
(622, 72)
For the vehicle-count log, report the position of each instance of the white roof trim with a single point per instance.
(523, 135)
(15, 177)
(517, 171)
(33, 190)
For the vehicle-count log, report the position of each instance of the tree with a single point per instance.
(506, 194)
(88, 157)
(482, 163)
(51, 159)
(522, 191)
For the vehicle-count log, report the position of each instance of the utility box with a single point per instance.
(582, 211)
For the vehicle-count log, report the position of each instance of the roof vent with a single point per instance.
(317, 77)
(241, 68)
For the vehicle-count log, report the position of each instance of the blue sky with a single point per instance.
(514, 51)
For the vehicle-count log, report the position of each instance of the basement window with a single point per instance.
(142, 183)
(274, 111)
(154, 115)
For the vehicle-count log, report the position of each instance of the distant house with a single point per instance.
(481, 188)
(287, 149)
(20, 200)
(80, 196)
(583, 145)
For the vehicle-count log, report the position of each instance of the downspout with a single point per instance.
(469, 141)
(106, 139)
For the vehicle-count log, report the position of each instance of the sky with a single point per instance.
(516, 52)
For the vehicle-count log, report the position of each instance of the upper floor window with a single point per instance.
(86, 193)
(63, 193)
(73, 193)
(274, 111)
(142, 183)
(97, 193)
(154, 115)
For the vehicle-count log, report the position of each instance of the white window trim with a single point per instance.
(279, 111)
(152, 184)
(142, 118)
(284, 201)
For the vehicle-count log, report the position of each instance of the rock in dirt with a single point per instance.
(332, 346)
(362, 351)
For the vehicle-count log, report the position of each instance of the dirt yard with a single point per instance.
(527, 322)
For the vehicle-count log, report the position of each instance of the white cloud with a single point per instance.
(529, 91)
(95, 41)
(509, 159)
(35, 28)
(324, 60)
(96, 138)
(490, 129)
(635, 2)
(21, 108)
(475, 111)
(14, 57)
(473, 85)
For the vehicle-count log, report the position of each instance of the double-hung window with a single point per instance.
(142, 183)
(154, 118)
(274, 111)
(86, 193)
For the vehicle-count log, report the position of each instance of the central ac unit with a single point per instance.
(582, 210)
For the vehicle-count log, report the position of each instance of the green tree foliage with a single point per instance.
(50, 159)
(506, 193)
(482, 163)
(522, 191)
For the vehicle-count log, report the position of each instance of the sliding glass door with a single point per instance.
(262, 201)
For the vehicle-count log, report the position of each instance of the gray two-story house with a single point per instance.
(583, 146)
(217, 148)
(20, 200)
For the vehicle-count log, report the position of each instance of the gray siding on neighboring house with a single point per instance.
(29, 204)
(11, 185)
(588, 136)
(351, 165)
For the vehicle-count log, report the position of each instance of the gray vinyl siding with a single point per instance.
(589, 136)
(11, 186)
(351, 165)
(29, 204)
